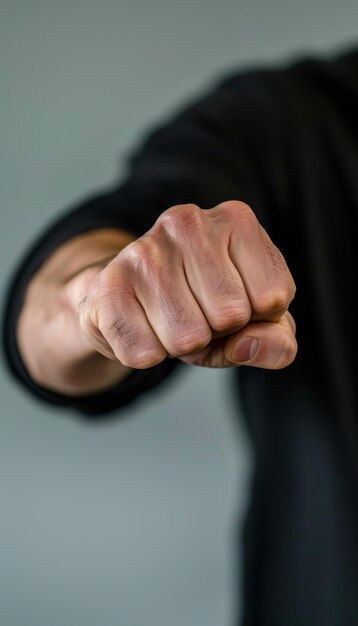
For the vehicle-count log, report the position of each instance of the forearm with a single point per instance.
(53, 347)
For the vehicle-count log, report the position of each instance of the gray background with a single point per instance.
(132, 522)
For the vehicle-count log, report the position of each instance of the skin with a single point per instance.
(200, 285)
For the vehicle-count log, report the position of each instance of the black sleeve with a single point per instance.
(213, 150)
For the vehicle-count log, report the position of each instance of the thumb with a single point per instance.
(269, 345)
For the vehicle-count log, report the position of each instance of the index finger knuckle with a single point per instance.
(182, 219)
(272, 301)
(287, 352)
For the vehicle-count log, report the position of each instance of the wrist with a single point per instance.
(51, 343)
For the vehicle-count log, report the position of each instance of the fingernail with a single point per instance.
(245, 349)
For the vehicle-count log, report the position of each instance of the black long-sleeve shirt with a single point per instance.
(284, 140)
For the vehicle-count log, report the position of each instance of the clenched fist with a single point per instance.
(206, 286)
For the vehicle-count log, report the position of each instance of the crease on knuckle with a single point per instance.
(186, 344)
(275, 255)
(232, 307)
(176, 314)
(276, 267)
(229, 318)
(143, 360)
(277, 271)
(125, 341)
(121, 335)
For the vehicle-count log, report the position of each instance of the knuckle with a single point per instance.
(103, 284)
(143, 360)
(287, 353)
(272, 301)
(108, 286)
(140, 256)
(229, 318)
(126, 341)
(276, 258)
(276, 266)
(248, 224)
(120, 334)
(177, 315)
(235, 206)
(181, 219)
(241, 212)
(188, 343)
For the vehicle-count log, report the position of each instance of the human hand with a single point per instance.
(206, 286)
